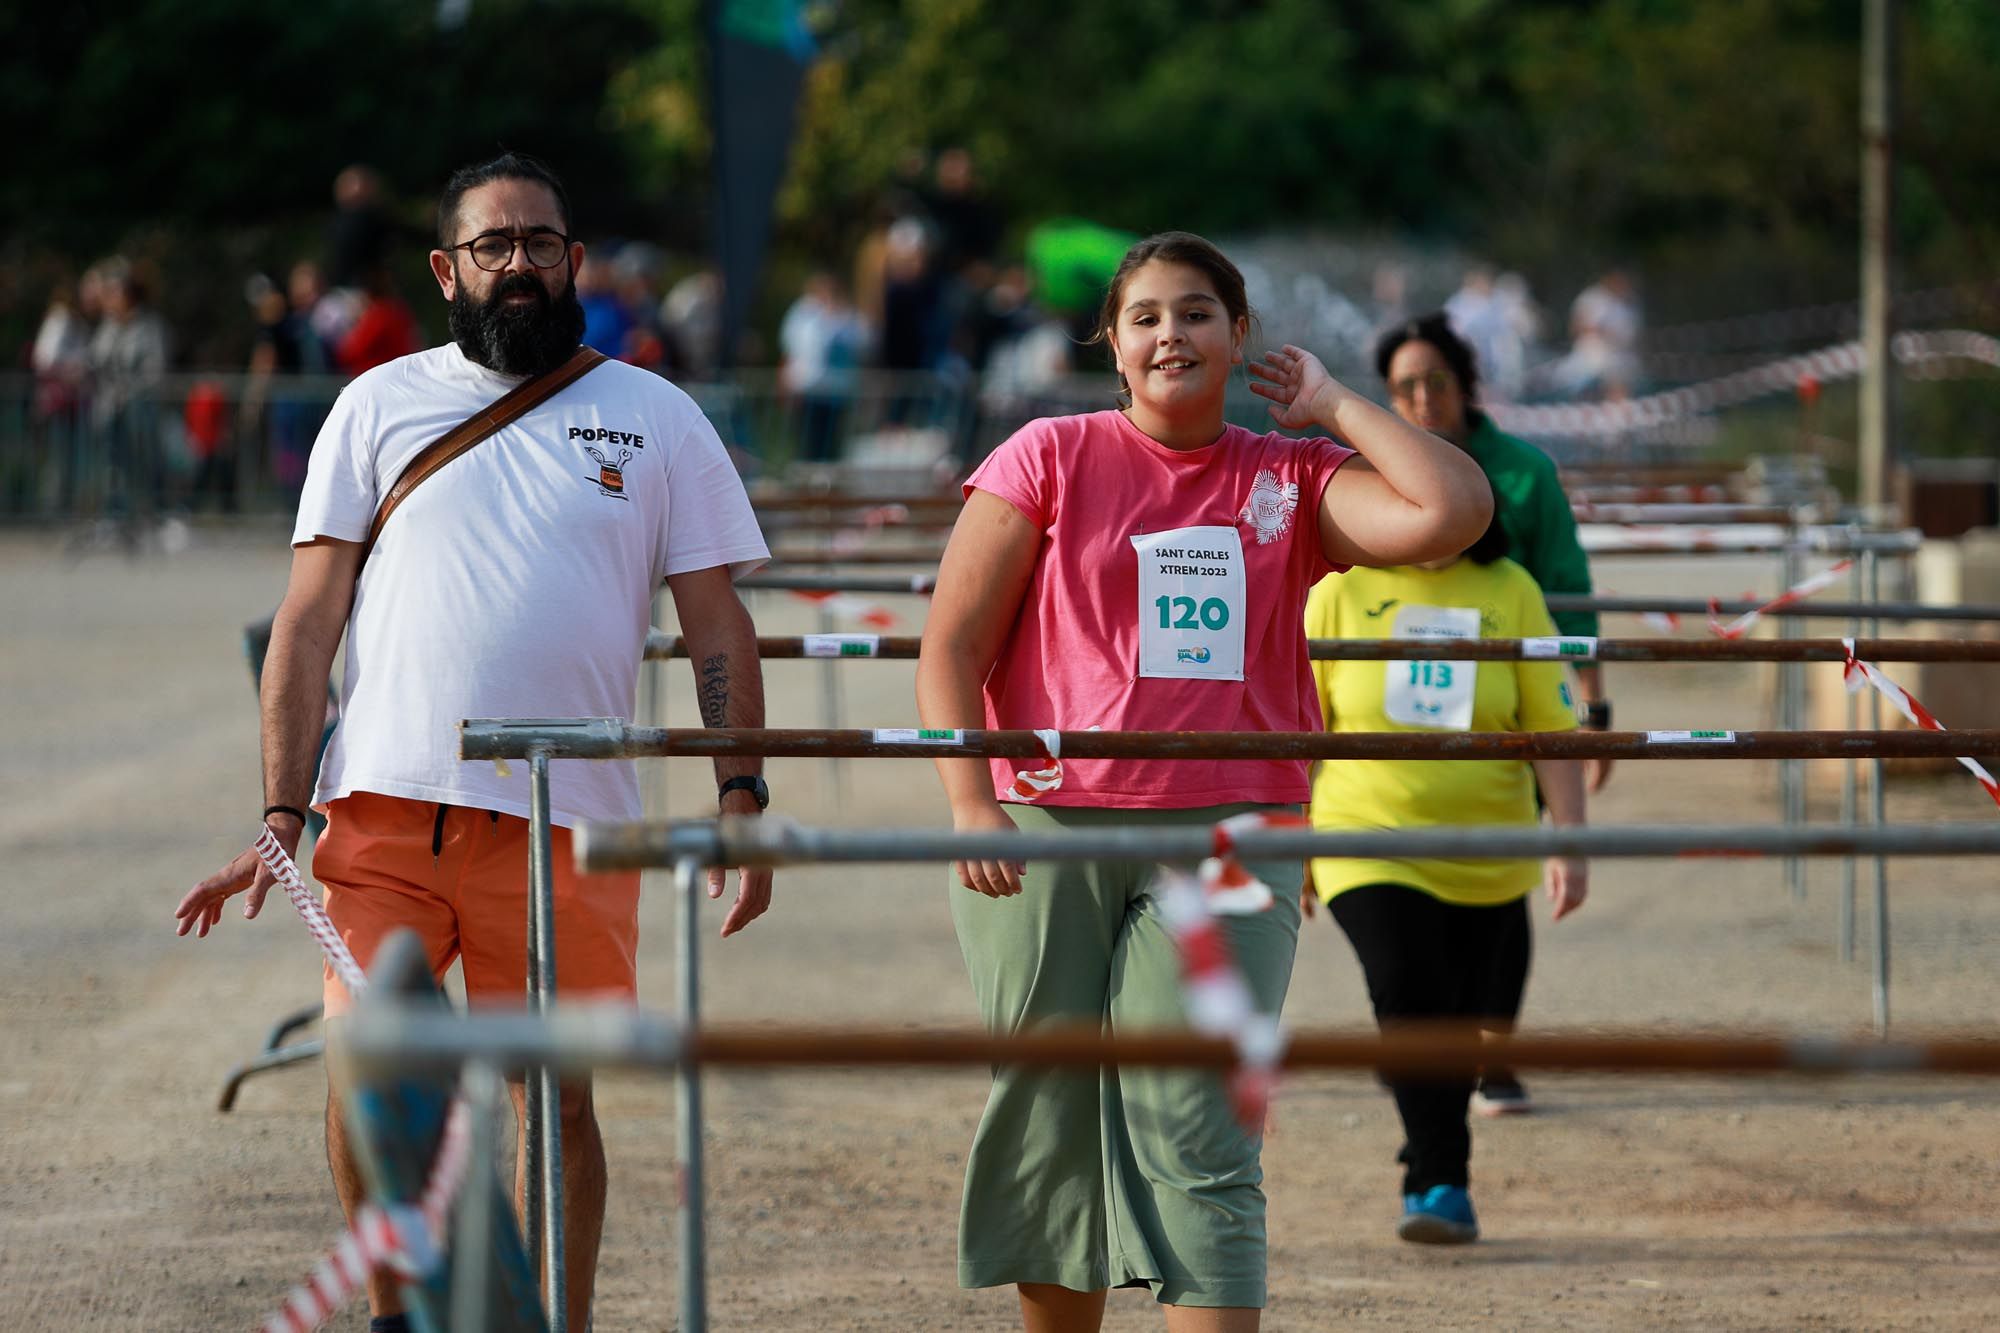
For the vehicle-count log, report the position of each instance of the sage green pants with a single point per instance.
(1123, 1177)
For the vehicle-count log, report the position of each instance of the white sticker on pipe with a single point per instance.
(1565, 647)
(1688, 737)
(919, 736)
(842, 645)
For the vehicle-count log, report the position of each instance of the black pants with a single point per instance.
(1429, 960)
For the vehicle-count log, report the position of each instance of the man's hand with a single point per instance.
(753, 883)
(1596, 772)
(753, 895)
(202, 907)
(1308, 900)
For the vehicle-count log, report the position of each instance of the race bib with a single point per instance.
(1191, 603)
(1432, 694)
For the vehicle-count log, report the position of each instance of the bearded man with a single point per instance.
(517, 581)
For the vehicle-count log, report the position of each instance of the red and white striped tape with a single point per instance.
(842, 604)
(1231, 888)
(1855, 673)
(1798, 592)
(1666, 622)
(407, 1240)
(1030, 785)
(1924, 352)
(279, 862)
(1218, 1000)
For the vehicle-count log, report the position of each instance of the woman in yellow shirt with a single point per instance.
(1432, 935)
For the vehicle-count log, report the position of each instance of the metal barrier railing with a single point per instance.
(542, 739)
(661, 646)
(386, 1037)
(922, 585)
(1599, 541)
(228, 437)
(602, 845)
(240, 440)
(1865, 576)
(904, 516)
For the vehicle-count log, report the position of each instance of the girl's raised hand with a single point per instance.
(1292, 378)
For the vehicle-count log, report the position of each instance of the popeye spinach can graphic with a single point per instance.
(610, 476)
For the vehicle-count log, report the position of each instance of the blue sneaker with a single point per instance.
(1441, 1215)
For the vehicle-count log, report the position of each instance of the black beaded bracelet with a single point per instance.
(291, 810)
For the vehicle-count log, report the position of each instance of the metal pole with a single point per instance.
(831, 648)
(1791, 775)
(472, 1247)
(543, 1094)
(773, 840)
(829, 701)
(922, 585)
(652, 711)
(587, 1037)
(687, 1089)
(1878, 813)
(1849, 800)
(1746, 539)
(1878, 204)
(613, 738)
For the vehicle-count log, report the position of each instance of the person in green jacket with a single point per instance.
(1433, 382)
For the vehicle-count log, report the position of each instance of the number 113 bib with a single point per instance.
(1191, 603)
(1432, 694)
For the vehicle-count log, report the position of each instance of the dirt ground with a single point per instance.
(128, 1202)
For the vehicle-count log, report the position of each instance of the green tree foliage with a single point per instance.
(1198, 113)
(225, 112)
(1552, 135)
(1714, 144)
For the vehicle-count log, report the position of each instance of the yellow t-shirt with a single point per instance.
(1466, 600)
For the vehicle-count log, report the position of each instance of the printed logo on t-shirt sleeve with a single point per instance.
(1269, 510)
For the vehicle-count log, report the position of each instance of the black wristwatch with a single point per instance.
(754, 785)
(1597, 715)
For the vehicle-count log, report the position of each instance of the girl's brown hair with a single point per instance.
(1172, 247)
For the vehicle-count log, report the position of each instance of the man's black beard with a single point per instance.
(518, 339)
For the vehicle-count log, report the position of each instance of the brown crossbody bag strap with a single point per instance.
(502, 411)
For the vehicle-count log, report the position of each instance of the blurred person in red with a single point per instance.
(384, 330)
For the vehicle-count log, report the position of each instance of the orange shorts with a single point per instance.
(459, 878)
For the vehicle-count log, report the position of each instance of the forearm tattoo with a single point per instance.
(714, 690)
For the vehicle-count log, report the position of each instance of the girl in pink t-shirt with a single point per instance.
(1147, 569)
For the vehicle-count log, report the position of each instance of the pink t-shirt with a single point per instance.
(1091, 483)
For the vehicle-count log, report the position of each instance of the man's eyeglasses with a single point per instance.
(1433, 382)
(495, 250)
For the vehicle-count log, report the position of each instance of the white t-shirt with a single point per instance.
(518, 580)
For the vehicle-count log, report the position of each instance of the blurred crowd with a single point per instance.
(943, 300)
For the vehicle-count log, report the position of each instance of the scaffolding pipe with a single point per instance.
(613, 738)
(579, 1039)
(847, 516)
(773, 840)
(922, 585)
(690, 1200)
(1607, 541)
(542, 1097)
(1567, 648)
